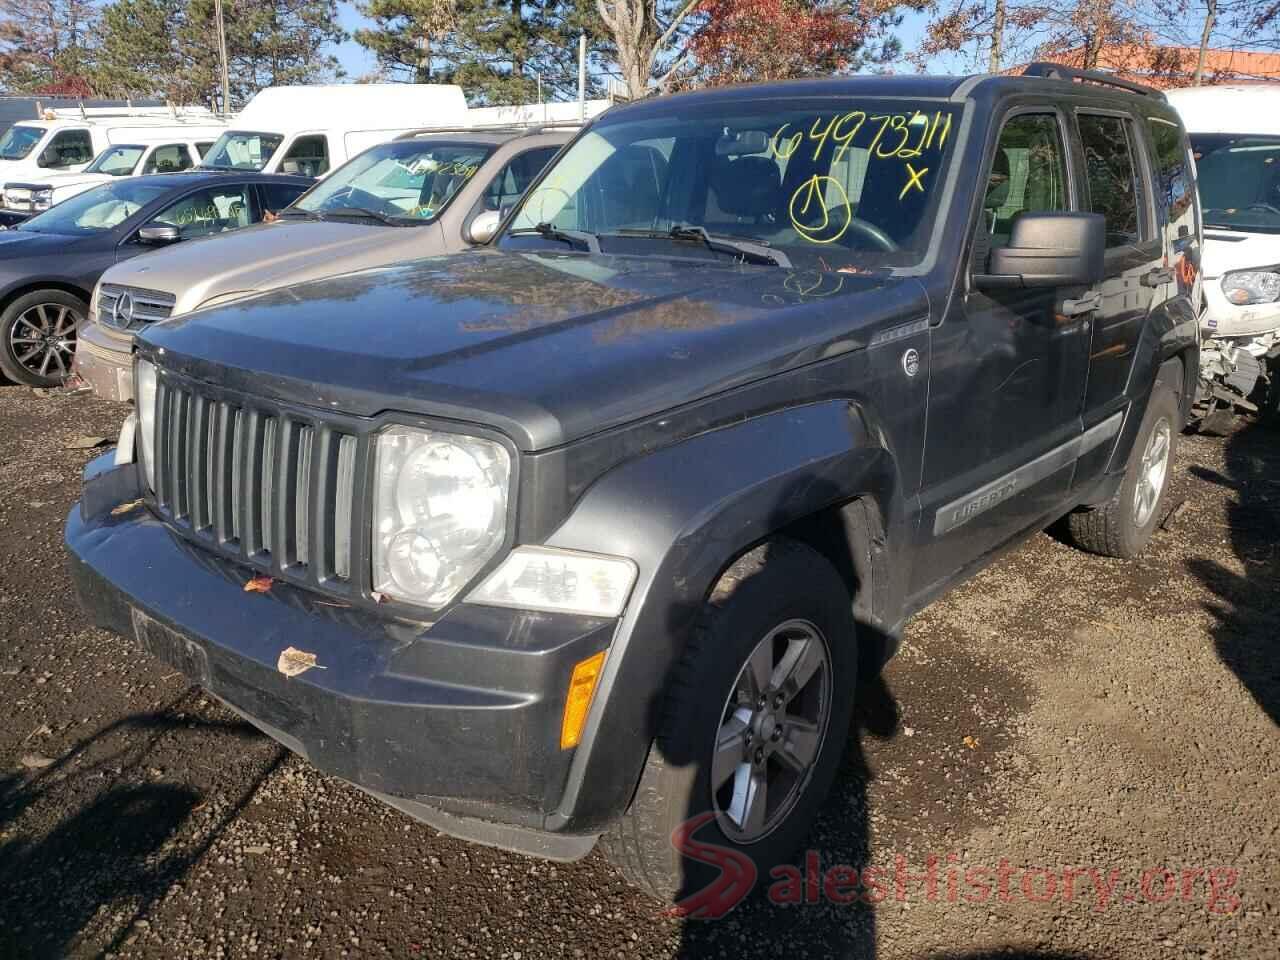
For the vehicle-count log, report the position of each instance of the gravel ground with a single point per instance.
(1059, 712)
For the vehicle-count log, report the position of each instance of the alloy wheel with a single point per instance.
(1152, 472)
(43, 339)
(771, 731)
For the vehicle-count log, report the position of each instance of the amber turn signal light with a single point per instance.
(582, 685)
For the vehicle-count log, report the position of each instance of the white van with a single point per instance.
(310, 130)
(1235, 134)
(68, 139)
(163, 150)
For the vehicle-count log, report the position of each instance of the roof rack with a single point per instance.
(1056, 71)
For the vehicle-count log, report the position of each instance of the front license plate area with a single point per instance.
(171, 648)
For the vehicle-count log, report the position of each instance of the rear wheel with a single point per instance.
(1123, 526)
(752, 733)
(38, 337)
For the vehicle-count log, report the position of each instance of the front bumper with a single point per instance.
(104, 360)
(456, 723)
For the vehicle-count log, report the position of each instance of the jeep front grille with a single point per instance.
(129, 307)
(272, 488)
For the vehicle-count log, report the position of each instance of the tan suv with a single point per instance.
(421, 194)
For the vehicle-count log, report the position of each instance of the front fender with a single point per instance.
(683, 514)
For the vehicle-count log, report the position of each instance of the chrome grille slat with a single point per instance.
(271, 488)
(147, 306)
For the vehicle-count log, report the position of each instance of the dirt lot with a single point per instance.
(1059, 712)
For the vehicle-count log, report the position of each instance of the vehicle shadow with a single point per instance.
(107, 850)
(1248, 603)
(793, 905)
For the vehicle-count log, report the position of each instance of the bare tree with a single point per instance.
(648, 36)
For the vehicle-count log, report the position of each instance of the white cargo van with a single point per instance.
(1235, 135)
(162, 150)
(68, 139)
(310, 130)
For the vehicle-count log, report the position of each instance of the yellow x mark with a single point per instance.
(913, 180)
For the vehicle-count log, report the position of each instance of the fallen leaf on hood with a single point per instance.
(36, 761)
(294, 661)
(258, 585)
(125, 507)
(971, 742)
(378, 597)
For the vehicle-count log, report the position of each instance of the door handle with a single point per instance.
(1157, 278)
(1085, 303)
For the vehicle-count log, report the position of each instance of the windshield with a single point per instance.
(117, 161)
(242, 150)
(827, 183)
(96, 211)
(411, 180)
(1239, 180)
(17, 142)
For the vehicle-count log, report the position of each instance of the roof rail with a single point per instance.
(1056, 71)
(514, 127)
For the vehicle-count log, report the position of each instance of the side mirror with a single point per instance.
(1049, 250)
(47, 159)
(483, 228)
(159, 234)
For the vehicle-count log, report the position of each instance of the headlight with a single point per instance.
(565, 581)
(439, 512)
(1251, 286)
(144, 394)
(42, 199)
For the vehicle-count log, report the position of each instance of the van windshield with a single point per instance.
(406, 180)
(1239, 180)
(118, 161)
(829, 184)
(19, 141)
(242, 150)
(96, 211)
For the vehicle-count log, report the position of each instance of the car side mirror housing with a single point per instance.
(46, 159)
(1048, 250)
(159, 234)
(483, 227)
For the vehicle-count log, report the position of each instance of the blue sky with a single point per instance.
(357, 61)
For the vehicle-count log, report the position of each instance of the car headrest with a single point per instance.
(748, 186)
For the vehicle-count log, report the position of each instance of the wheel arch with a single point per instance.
(32, 286)
(822, 474)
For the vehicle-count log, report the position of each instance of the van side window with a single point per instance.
(514, 179)
(69, 148)
(169, 158)
(1112, 176)
(1028, 173)
(308, 156)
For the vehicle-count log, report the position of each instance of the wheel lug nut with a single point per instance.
(777, 734)
(777, 702)
(759, 755)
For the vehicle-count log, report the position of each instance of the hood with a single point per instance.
(64, 178)
(19, 244)
(260, 257)
(548, 347)
(1228, 250)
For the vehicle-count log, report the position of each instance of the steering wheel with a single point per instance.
(866, 228)
(355, 197)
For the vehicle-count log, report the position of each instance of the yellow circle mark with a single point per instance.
(814, 190)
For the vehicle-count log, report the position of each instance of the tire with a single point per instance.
(38, 337)
(1120, 527)
(780, 598)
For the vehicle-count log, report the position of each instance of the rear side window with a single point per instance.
(1028, 173)
(1112, 176)
(514, 179)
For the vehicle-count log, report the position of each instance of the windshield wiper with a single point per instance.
(549, 232)
(747, 249)
(363, 212)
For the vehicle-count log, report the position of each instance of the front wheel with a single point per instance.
(1123, 526)
(751, 736)
(38, 337)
